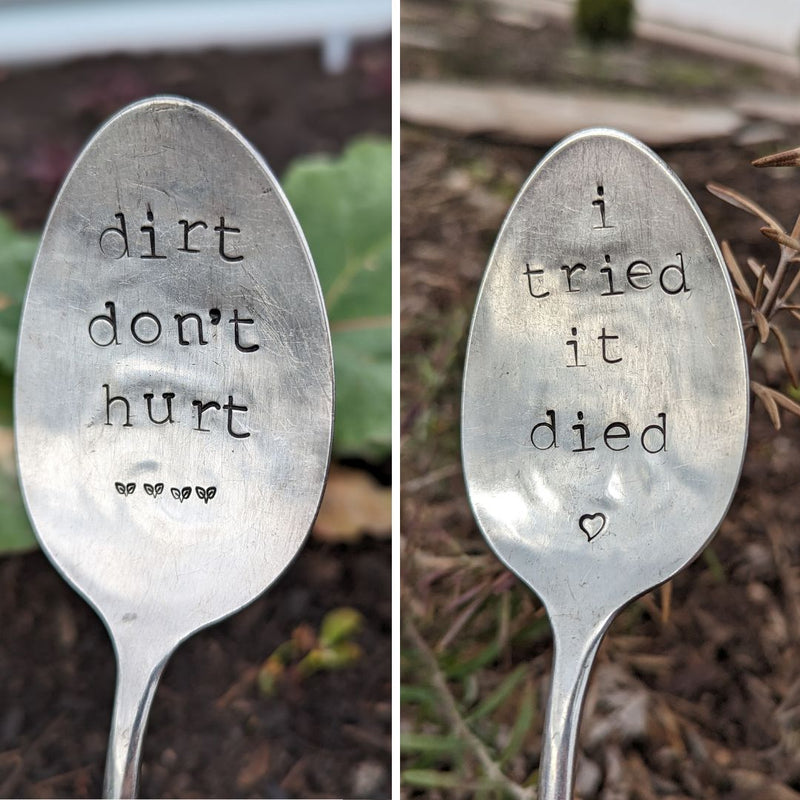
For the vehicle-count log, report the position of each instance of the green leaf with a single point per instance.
(458, 670)
(421, 695)
(431, 744)
(17, 251)
(431, 779)
(344, 206)
(16, 535)
(499, 695)
(339, 625)
(363, 390)
(522, 724)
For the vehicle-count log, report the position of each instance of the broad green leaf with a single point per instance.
(17, 251)
(16, 535)
(363, 390)
(345, 209)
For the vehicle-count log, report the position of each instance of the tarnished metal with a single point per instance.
(605, 399)
(174, 389)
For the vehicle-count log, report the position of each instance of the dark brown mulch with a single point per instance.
(719, 676)
(211, 733)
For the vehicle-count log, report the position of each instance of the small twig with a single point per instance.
(786, 158)
(777, 282)
(457, 723)
(438, 563)
(415, 484)
(666, 602)
(792, 288)
(744, 203)
(462, 619)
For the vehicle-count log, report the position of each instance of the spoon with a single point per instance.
(174, 390)
(605, 399)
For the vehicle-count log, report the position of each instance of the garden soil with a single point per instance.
(212, 733)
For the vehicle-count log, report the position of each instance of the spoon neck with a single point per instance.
(137, 679)
(575, 648)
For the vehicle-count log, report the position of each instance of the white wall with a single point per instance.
(52, 30)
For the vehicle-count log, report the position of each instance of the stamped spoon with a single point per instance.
(605, 399)
(174, 390)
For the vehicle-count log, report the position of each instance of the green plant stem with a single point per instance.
(457, 723)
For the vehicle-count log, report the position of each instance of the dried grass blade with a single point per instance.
(786, 354)
(781, 238)
(762, 278)
(762, 324)
(744, 203)
(762, 393)
(785, 402)
(786, 158)
(795, 282)
(796, 228)
(666, 601)
(736, 273)
(757, 269)
(460, 621)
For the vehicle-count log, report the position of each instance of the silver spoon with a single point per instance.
(605, 399)
(174, 390)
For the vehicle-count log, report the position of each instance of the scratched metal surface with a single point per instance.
(605, 397)
(172, 515)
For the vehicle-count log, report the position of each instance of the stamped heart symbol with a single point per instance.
(592, 524)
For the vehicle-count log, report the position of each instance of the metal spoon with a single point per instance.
(605, 399)
(174, 390)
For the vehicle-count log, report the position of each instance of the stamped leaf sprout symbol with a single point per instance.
(206, 494)
(154, 490)
(592, 524)
(181, 494)
(125, 489)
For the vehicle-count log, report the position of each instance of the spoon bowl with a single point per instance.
(174, 389)
(605, 398)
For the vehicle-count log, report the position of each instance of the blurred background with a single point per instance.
(290, 697)
(696, 690)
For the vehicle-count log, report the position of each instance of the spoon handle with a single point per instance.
(574, 652)
(137, 680)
